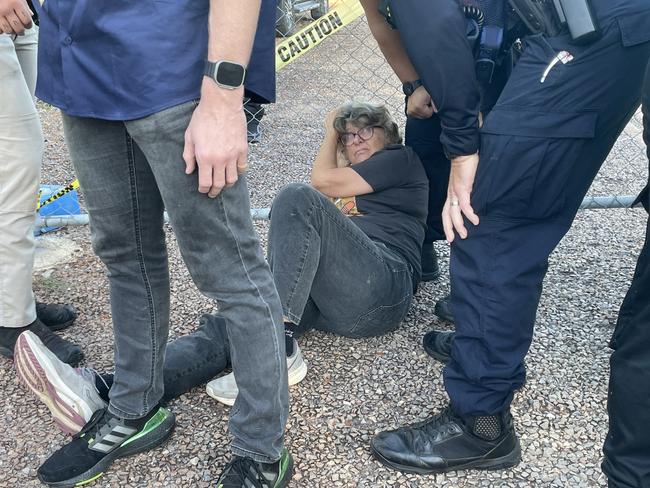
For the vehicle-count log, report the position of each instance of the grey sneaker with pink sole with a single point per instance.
(69, 393)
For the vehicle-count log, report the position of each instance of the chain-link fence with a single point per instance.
(326, 55)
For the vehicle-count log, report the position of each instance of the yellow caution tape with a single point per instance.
(342, 13)
(63, 191)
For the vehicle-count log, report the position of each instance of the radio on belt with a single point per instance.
(579, 18)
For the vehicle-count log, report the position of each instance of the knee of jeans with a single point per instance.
(115, 244)
(293, 199)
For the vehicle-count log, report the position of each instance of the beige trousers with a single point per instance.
(21, 151)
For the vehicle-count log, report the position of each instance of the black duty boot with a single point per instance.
(447, 442)
(438, 343)
(430, 269)
(64, 350)
(55, 316)
(443, 309)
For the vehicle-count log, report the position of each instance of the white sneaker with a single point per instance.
(69, 393)
(224, 389)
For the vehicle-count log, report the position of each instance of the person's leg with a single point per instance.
(320, 259)
(628, 441)
(54, 316)
(423, 135)
(223, 254)
(21, 150)
(126, 221)
(541, 146)
(27, 51)
(192, 360)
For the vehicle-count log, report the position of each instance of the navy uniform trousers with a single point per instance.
(541, 146)
(627, 446)
(423, 136)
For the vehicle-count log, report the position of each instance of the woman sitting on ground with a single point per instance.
(345, 252)
(345, 257)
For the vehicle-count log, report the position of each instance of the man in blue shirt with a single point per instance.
(148, 131)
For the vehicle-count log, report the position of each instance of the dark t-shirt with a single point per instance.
(396, 212)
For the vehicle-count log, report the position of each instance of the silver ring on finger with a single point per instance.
(454, 203)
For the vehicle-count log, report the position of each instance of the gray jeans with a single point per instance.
(129, 172)
(329, 274)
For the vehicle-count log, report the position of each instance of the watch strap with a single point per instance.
(410, 86)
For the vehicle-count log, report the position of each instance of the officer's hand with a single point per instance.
(215, 140)
(15, 16)
(461, 180)
(420, 105)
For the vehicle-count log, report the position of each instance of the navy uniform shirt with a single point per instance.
(434, 37)
(126, 59)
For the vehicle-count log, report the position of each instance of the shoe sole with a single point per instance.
(153, 439)
(295, 377)
(288, 474)
(508, 461)
(36, 371)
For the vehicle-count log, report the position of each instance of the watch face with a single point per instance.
(230, 74)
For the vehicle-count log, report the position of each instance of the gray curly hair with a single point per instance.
(362, 114)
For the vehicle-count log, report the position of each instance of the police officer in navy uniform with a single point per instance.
(627, 444)
(423, 125)
(553, 125)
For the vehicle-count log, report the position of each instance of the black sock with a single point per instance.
(103, 383)
(288, 337)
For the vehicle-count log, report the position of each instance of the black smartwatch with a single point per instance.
(226, 74)
(410, 86)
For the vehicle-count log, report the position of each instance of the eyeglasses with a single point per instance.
(365, 133)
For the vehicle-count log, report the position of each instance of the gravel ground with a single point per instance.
(357, 387)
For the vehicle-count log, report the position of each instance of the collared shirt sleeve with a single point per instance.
(433, 34)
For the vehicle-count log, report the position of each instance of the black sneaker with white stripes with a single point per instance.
(243, 472)
(102, 440)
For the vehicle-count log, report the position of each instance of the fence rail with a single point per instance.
(325, 57)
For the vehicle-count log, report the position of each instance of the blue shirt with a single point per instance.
(126, 59)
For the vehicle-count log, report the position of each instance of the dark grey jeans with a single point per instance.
(129, 172)
(329, 274)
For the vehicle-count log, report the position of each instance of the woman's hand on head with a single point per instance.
(329, 120)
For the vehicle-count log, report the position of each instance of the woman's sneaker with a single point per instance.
(104, 439)
(224, 389)
(69, 393)
(243, 472)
